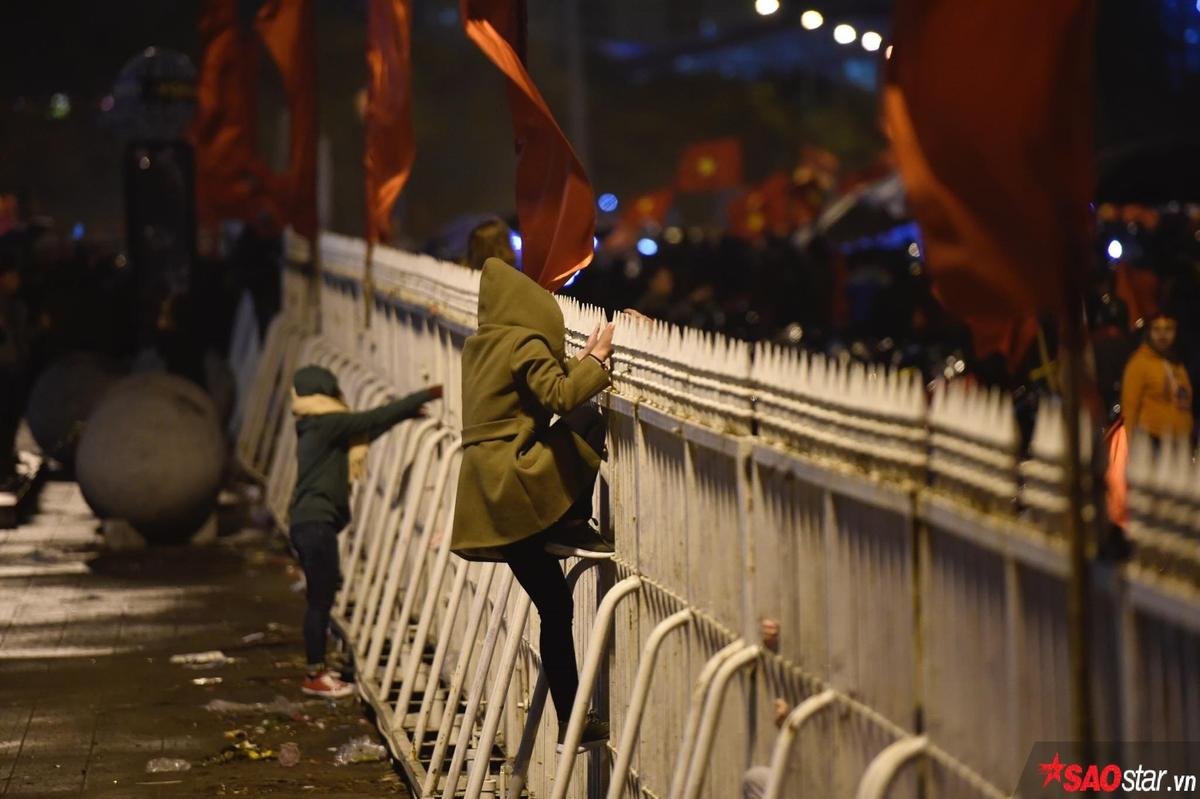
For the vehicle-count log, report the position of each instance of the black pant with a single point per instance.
(12, 408)
(540, 574)
(317, 545)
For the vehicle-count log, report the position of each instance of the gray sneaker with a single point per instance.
(595, 734)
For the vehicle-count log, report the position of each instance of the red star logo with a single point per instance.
(1052, 770)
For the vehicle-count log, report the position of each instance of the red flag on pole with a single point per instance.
(555, 204)
(710, 165)
(286, 27)
(391, 147)
(990, 116)
(231, 178)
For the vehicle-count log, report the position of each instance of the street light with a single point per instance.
(844, 34)
(766, 8)
(871, 41)
(811, 20)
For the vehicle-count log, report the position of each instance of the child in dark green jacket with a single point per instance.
(331, 450)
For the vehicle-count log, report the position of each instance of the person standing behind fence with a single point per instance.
(1156, 394)
(331, 451)
(490, 239)
(521, 476)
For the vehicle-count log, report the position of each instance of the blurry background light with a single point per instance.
(60, 106)
(647, 247)
(608, 203)
(811, 20)
(844, 34)
(888, 52)
(766, 8)
(871, 41)
(1115, 249)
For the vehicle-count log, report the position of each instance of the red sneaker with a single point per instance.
(326, 685)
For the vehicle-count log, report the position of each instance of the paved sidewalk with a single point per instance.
(87, 691)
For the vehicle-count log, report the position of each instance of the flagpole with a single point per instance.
(1079, 586)
(368, 284)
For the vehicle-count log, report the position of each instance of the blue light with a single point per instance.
(595, 242)
(574, 277)
(647, 247)
(77, 232)
(1191, 36)
(1115, 249)
(515, 240)
(608, 203)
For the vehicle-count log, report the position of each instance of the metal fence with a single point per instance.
(921, 610)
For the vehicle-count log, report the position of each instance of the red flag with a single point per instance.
(391, 146)
(555, 204)
(231, 178)
(651, 207)
(710, 165)
(765, 208)
(286, 27)
(989, 111)
(1012, 338)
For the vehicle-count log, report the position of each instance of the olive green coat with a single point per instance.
(519, 475)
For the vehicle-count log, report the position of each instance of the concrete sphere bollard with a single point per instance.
(153, 454)
(62, 399)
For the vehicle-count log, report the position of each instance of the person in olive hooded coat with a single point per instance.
(520, 474)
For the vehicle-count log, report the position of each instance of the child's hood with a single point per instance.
(316, 380)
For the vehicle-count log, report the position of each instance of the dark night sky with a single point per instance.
(71, 167)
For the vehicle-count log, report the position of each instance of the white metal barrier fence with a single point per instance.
(922, 645)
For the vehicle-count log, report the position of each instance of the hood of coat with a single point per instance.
(508, 297)
(315, 380)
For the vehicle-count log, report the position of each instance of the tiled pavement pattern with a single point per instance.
(87, 692)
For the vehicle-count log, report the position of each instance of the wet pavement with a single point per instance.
(88, 693)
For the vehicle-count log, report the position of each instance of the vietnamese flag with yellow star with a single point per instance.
(649, 208)
(762, 209)
(710, 166)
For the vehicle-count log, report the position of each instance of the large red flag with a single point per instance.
(555, 204)
(391, 147)
(286, 27)
(231, 178)
(710, 165)
(989, 110)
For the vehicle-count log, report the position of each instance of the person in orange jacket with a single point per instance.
(1156, 394)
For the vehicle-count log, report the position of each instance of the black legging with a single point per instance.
(317, 545)
(540, 574)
